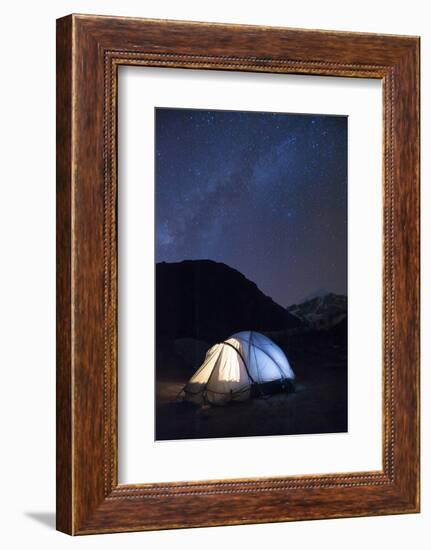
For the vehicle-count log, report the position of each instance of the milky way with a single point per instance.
(265, 193)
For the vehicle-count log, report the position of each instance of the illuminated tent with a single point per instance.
(245, 365)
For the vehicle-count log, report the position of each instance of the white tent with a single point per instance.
(245, 364)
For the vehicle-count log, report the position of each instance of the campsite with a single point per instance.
(315, 403)
(250, 239)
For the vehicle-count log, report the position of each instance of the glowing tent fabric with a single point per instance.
(233, 369)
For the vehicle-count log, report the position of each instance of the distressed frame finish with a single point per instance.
(89, 51)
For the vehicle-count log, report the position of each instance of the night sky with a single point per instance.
(265, 193)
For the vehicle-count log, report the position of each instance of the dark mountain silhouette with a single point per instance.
(209, 301)
(338, 332)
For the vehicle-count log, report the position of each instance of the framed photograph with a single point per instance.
(237, 274)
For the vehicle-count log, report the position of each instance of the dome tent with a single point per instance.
(246, 364)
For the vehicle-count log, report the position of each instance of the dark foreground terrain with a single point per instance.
(318, 405)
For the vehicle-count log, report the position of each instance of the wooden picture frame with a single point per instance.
(89, 51)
